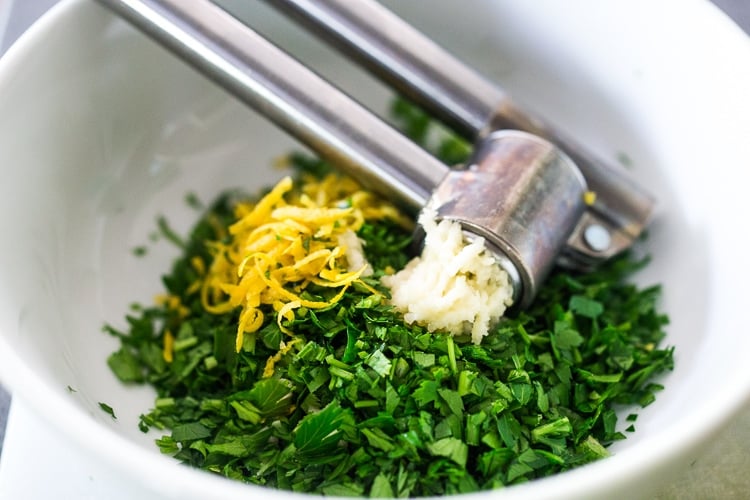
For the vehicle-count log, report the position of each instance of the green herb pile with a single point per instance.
(365, 405)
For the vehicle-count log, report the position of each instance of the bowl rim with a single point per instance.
(64, 414)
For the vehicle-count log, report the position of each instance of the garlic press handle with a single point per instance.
(289, 94)
(425, 72)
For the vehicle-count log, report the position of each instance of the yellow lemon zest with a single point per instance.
(168, 351)
(287, 312)
(272, 360)
(198, 265)
(368, 288)
(289, 239)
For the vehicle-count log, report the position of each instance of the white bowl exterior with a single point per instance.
(101, 131)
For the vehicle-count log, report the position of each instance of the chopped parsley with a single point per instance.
(360, 403)
(140, 250)
(108, 410)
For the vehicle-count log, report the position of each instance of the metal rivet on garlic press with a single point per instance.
(597, 237)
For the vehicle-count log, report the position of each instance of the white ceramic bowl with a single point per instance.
(100, 131)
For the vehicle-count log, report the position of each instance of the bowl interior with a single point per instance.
(101, 131)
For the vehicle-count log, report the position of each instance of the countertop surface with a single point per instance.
(720, 472)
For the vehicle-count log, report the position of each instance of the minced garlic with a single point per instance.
(452, 286)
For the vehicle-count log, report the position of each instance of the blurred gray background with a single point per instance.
(24, 12)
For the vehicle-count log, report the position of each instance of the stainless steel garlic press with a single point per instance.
(535, 195)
